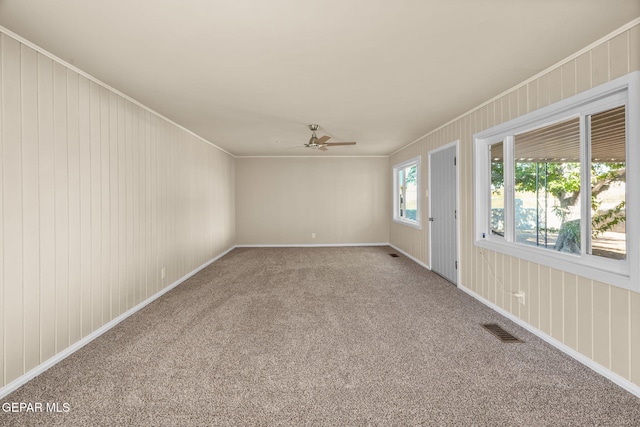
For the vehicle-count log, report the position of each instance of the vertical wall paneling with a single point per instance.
(583, 72)
(122, 206)
(618, 57)
(12, 206)
(602, 324)
(135, 204)
(46, 177)
(61, 203)
(493, 282)
(513, 104)
(148, 244)
(73, 147)
(585, 316)
(96, 208)
(105, 209)
(515, 287)
(142, 173)
(505, 110)
(84, 127)
(30, 207)
(114, 231)
(157, 201)
(620, 331)
(523, 101)
(555, 86)
(534, 295)
(635, 337)
(164, 203)
(556, 298)
(544, 83)
(508, 285)
(97, 194)
(497, 118)
(544, 288)
(570, 311)
(634, 48)
(568, 72)
(128, 172)
(525, 274)
(532, 96)
(600, 64)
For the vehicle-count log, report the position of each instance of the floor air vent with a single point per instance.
(502, 335)
(394, 255)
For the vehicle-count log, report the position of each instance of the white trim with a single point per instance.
(417, 223)
(555, 66)
(310, 245)
(73, 68)
(412, 258)
(615, 378)
(625, 274)
(23, 379)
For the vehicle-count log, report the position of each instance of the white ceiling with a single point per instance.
(250, 75)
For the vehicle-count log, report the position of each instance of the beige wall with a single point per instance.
(284, 200)
(598, 320)
(96, 195)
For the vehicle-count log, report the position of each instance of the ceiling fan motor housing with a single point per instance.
(321, 143)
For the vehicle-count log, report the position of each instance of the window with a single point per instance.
(556, 186)
(406, 192)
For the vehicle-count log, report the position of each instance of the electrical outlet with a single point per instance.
(163, 273)
(313, 235)
(521, 297)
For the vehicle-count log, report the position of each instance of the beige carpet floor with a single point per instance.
(320, 336)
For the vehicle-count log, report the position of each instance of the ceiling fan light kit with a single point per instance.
(321, 143)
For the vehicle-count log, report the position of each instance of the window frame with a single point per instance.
(417, 223)
(622, 91)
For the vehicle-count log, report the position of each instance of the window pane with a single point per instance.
(608, 184)
(411, 192)
(497, 189)
(547, 187)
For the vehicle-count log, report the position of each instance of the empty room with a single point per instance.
(356, 212)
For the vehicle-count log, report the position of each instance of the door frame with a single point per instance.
(455, 144)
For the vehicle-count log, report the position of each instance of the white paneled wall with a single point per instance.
(600, 321)
(97, 195)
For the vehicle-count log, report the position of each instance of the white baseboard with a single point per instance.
(416, 260)
(23, 379)
(607, 373)
(312, 245)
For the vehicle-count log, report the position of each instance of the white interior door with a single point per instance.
(443, 211)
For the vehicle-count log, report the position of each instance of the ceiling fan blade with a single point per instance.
(323, 148)
(333, 144)
(322, 140)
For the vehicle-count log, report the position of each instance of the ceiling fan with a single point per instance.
(321, 143)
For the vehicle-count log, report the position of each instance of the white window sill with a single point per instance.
(408, 223)
(566, 262)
